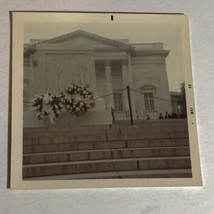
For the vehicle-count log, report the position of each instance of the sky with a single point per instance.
(168, 34)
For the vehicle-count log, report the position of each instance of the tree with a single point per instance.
(183, 100)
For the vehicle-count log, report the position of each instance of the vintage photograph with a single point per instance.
(105, 99)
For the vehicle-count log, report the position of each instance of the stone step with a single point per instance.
(148, 135)
(51, 133)
(152, 122)
(111, 128)
(51, 157)
(116, 124)
(105, 137)
(67, 139)
(58, 146)
(68, 128)
(112, 165)
(141, 127)
(164, 173)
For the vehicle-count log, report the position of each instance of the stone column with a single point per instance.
(40, 73)
(109, 83)
(125, 83)
(31, 78)
(91, 73)
(91, 79)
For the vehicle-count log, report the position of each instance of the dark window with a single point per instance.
(149, 102)
(118, 103)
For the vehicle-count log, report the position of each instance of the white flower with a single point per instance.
(38, 114)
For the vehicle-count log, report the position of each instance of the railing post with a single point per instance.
(130, 105)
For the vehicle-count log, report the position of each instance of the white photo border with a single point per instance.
(18, 20)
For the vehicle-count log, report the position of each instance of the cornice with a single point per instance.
(120, 49)
(85, 34)
(28, 50)
(163, 53)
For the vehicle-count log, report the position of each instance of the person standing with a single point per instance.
(160, 116)
(112, 113)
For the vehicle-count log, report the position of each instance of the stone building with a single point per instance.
(108, 66)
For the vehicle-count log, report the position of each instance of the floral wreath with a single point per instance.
(47, 105)
(77, 99)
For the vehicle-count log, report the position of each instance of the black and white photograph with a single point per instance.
(104, 98)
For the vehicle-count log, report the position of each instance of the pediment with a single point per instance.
(87, 40)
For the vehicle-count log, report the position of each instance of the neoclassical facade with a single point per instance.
(108, 66)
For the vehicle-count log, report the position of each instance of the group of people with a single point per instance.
(166, 116)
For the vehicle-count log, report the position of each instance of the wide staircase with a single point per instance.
(149, 149)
